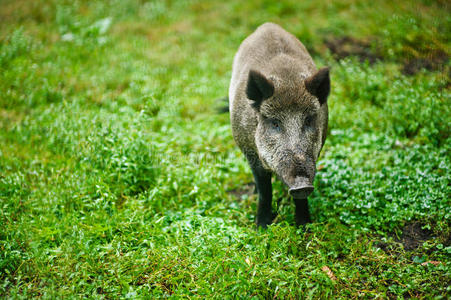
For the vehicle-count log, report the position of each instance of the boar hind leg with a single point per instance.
(264, 189)
(302, 212)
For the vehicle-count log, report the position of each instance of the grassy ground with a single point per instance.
(118, 179)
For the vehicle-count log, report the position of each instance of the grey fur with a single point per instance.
(279, 114)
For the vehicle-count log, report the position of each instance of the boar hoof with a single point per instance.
(264, 221)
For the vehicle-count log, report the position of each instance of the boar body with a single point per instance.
(279, 115)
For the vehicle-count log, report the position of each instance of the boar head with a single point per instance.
(291, 113)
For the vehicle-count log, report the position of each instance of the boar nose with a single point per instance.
(301, 188)
(301, 192)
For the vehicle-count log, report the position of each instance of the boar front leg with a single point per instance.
(264, 189)
(302, 212)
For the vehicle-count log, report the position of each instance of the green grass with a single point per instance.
(118, 179)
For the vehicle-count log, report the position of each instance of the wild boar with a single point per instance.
(279, 115)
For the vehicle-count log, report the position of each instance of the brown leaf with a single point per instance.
(434, 262)
(329, 273)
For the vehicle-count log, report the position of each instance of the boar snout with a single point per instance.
(301, 189)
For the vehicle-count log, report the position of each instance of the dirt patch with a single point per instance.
(345, 46)
(247, 189)
(429, 59)
(434, 61)
(413, 235)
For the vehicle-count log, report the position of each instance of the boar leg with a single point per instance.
(264, 189)
(302, 213)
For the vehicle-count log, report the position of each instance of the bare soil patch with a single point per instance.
(413, 235)
(342, 47)
(345, 46)
(435, 60)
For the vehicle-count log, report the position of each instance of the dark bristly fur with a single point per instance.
(279, 114)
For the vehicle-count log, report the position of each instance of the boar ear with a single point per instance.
(258, 88)
(319, 84)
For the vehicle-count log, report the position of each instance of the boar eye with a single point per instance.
(275, 124)
(309, 120)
